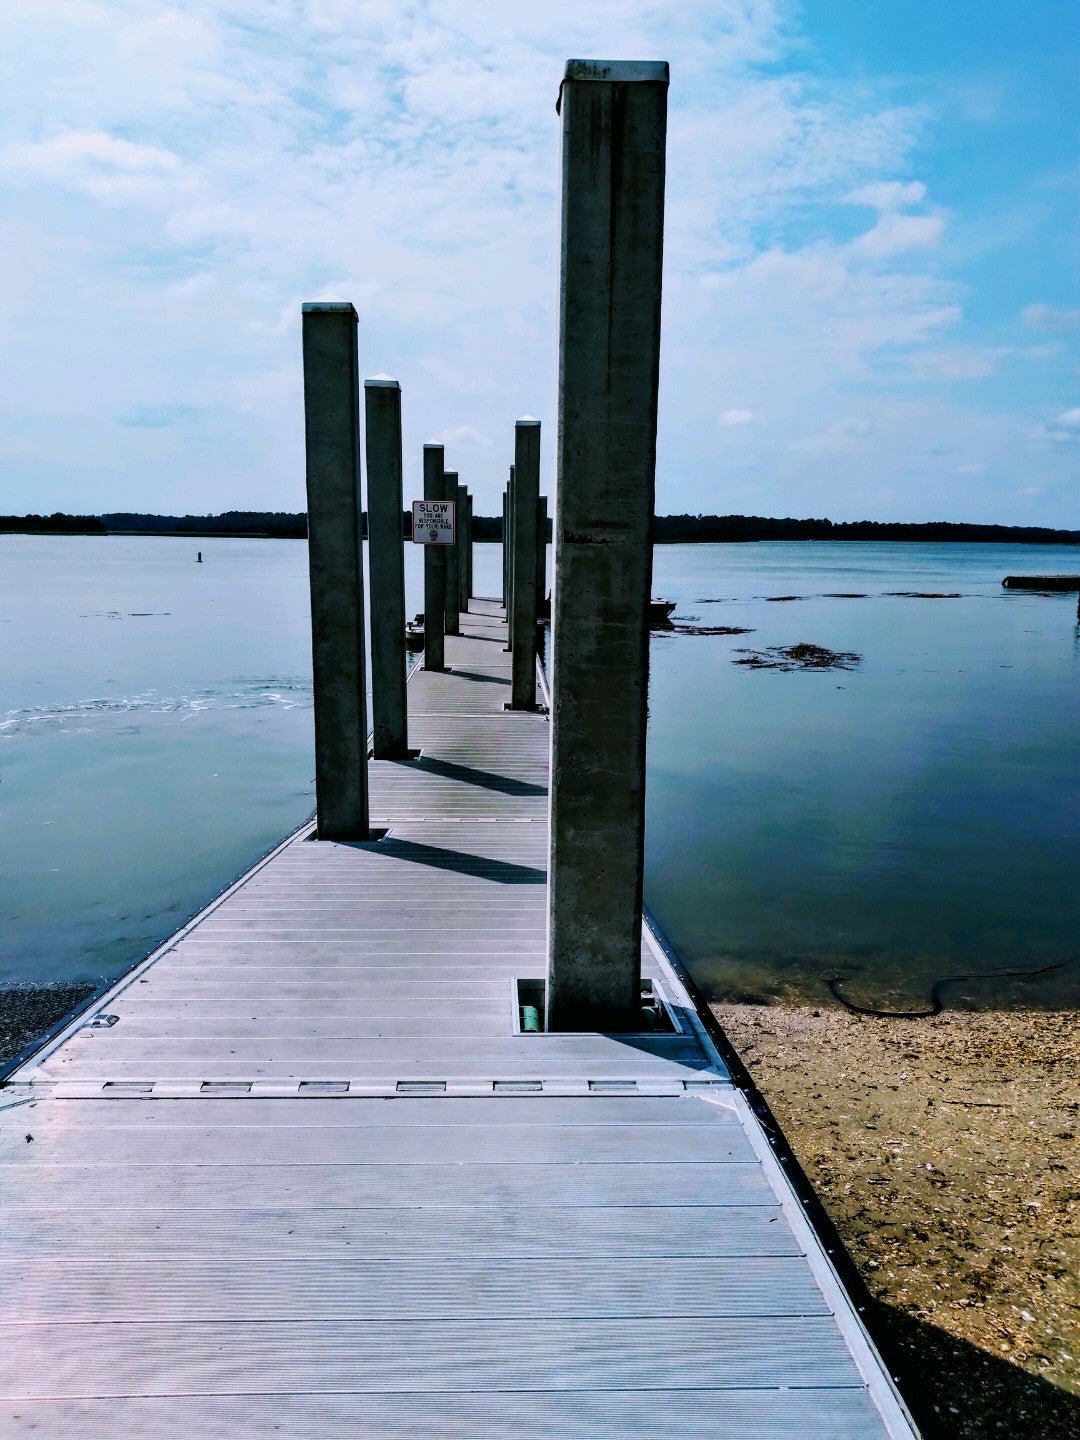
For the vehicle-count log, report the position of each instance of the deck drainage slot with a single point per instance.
(705, 1085)
(324, 1087)
(225, 1087)
(421, 1087)
(128, 1087)
(517, 1087)
(613, 1087)
(530, 998)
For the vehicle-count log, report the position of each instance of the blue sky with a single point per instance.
(870, 304)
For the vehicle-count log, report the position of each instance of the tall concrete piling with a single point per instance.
(386, 568)
(511, 490)
(541, 556)
(614, 118)
(462, 567)
(451, 623)
(434, 567)
(332, 439)
(505, 537)
(523, 614)
(468, 549)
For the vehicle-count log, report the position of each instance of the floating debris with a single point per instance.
(845, 595)
(773, 599)
(798, 657)
(927, 594)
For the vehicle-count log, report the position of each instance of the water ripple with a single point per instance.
(286, 693)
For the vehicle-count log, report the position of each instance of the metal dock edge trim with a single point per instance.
(846, 1295)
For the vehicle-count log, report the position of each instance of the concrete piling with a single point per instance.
(386, 568)
(434, 567)
(505, 536)
(468, 550)
(614, 127)
(332, 440)
(541, 557)
(461, 569)
(510, 494)
(451, 624)
(523, 614)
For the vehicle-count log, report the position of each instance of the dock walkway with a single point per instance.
(299, 1174)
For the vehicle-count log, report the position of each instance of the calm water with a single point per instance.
(914, 817)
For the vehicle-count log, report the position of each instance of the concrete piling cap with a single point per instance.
(527, 420)
(346, 307)
(382, 380)
(615, 72)
(618, 71)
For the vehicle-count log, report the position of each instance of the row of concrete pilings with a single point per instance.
(614, 119)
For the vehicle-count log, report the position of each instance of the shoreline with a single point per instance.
(946, 1153)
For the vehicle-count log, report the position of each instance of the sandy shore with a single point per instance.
(946, 1152)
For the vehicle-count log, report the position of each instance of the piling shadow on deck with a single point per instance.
(312, 1181)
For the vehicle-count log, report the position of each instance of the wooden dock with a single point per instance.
(299, 1173)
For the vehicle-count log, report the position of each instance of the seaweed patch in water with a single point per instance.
(774, 598)
(845, 595)
(798, 657)
(687, 629)
(927, 594)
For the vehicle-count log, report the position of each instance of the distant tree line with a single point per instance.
(667, 529)
(275, 524)
(711, 529)
(57, 524)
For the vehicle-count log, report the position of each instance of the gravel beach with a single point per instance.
(27, 1011)
(946, 1153)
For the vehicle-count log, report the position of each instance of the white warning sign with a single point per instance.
(433, 522)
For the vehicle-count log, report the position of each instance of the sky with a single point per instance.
(870, 304)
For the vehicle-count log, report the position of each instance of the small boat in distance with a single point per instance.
(659, 610)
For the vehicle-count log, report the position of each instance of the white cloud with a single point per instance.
(895, 233)
(975, 468)
(107, 167)
(1050, 318)
(735, 417)
(888, 195)
(1064, 429)
(76, 152)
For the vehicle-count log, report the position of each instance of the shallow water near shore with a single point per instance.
(912, 817)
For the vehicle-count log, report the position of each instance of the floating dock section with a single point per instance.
(1041, 582)
(300, 1173)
